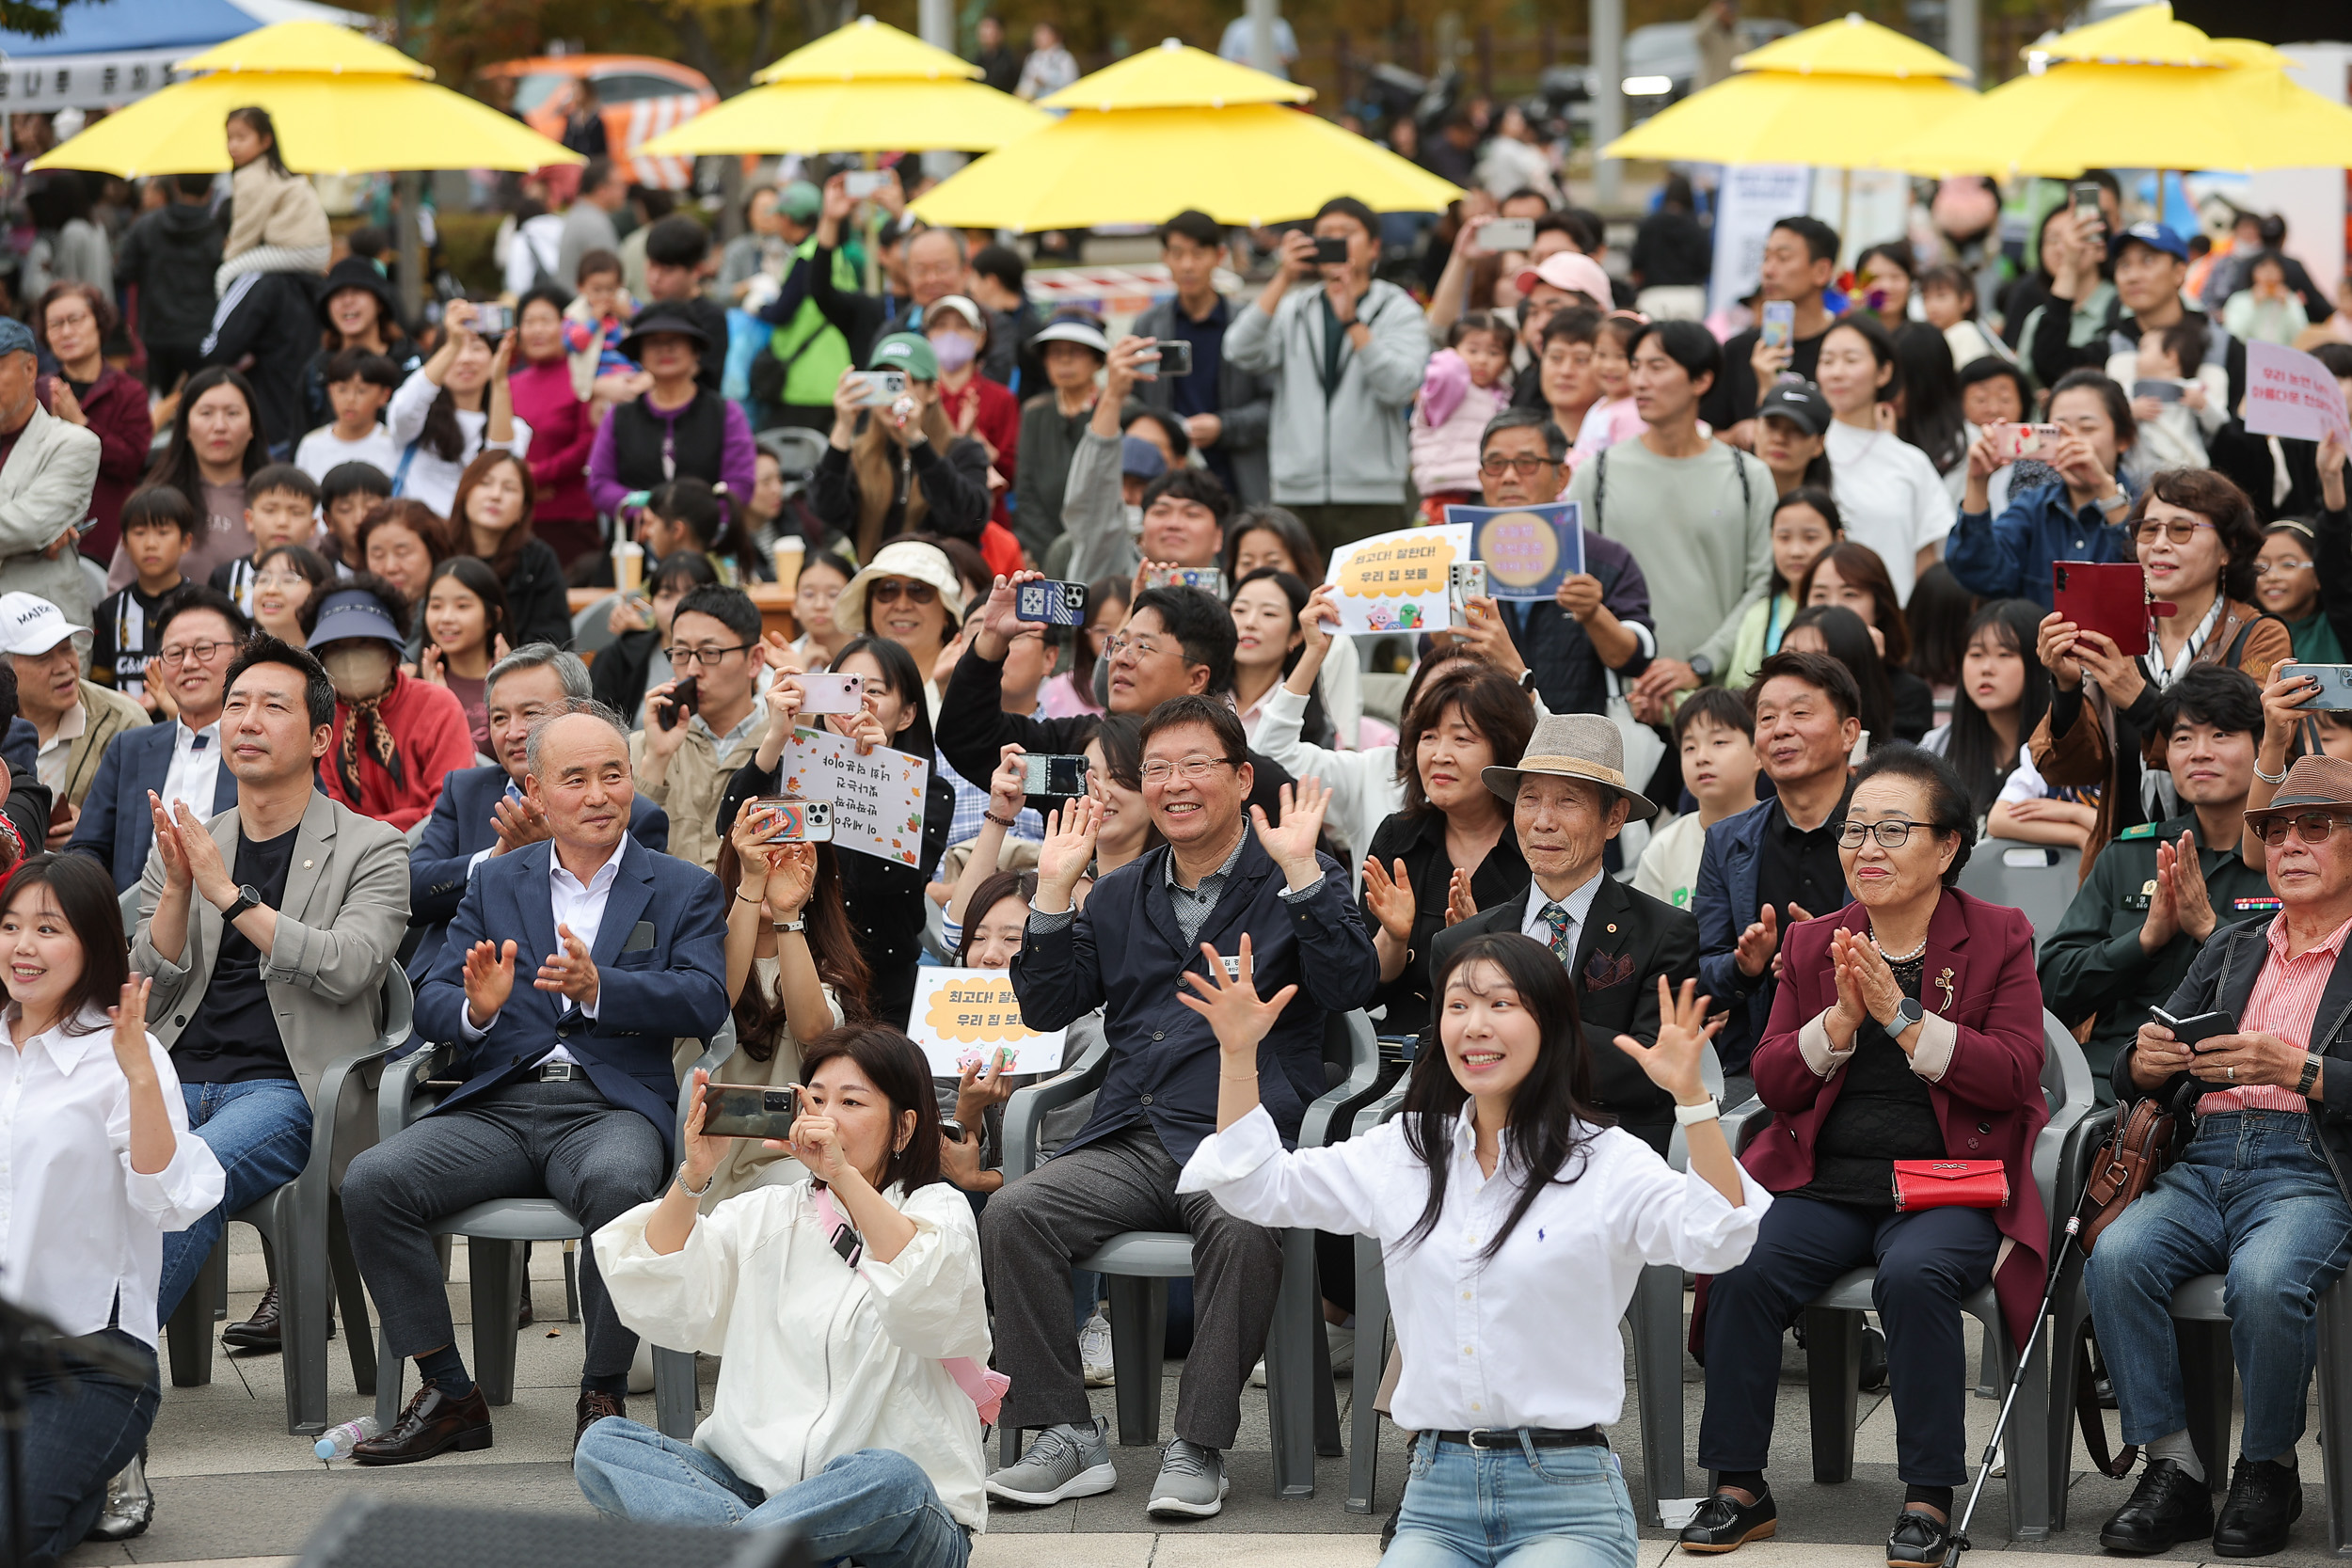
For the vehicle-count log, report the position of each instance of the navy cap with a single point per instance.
(15, 337)
(1140, 458)
(1800, 403)
(2155, 236)
(354, 614)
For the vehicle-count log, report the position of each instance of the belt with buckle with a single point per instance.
(1541, 1437)
(557, 1072)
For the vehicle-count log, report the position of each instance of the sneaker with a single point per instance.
(130, 1506)
(1060, 1462)
(1094, 1351)
(1339, 1337)
(1192, 1483)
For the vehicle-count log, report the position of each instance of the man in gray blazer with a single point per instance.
(267, 930)
(47, 468)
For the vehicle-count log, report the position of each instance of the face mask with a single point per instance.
(954, 350)
(359, 673)
(1135, 522)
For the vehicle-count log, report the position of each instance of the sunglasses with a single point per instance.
(887, 591)
(2312, 827)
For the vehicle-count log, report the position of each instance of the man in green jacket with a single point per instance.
(793, 383)
(2158, 891)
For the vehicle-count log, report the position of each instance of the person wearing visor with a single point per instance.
(893, 464)
(396, 737)
(1074, 352)
(678, 430)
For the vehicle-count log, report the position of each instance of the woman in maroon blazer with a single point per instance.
(1908, 1026)
(74, 322)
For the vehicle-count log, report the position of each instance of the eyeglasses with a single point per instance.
(1893, 833)
(887, 591)
(2179, 532)
(2282, 568)
(1120, 643)
(686, 659)
(1526, 463)
(2312, 827)
(203, 653)
(1193, 769)
(280, 579)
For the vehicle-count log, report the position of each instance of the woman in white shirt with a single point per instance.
(97, 1164)
(453, 408)
(1889, 491)
(1511, 1226)
(846, 1316)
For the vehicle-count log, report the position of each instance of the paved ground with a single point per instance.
(233, 1491)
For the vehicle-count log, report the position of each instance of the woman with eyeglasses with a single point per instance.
(1907, 1027)
(2284, 698)
(2198, 542)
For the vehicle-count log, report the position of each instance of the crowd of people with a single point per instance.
(1712, 799)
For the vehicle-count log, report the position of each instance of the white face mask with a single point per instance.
(358, 671)
(1135, 522)
(954, 350)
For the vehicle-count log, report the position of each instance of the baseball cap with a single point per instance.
(1565, 269)
(354, 614)
(904, 351)
(1138, 458)
(15, 337)
(800, 201)
(1800, 403)
(29, 624)
(2155, 236)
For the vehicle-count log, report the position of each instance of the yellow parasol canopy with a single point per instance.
(1852, 46)
(2147, 36)
(1249, 163)
(1176, 76)
(863, 51)
(308, 46)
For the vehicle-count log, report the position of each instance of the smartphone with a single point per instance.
(831, 693)
(2013, 441)
(685, 698)
(490, 320)
(1060, 604)
(1330, 250)
(749, 1110)
(1045, 774)
(951, 1129)
(882, 388)
(864, 182)
(1780, 324)
(797, 821)
(1468, 578)
(1170, 356)
(81, 530)
(1501, 234)
(2083, 197)
(2108, 598)
(2193, 1032)
(2335, 686)
(1209, 579)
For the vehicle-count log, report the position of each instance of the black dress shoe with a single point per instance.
(2266, 1498)
(595, 1407)
(1723, 1523)
(1918, 1540)
(1873, 1360)
(263, 1331)
(432, 1423)
(2166, 1509)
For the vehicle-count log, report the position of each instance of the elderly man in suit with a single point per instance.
(568, 1089)
(1568, 798)
(1217, 884)
(484, 813)
(199, 631)
(48, 466)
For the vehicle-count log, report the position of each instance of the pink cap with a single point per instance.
(1567, 269)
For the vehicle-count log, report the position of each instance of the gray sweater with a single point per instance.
(1344, 444)
(1683, 520)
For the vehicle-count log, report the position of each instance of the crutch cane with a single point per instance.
(2008, 1401)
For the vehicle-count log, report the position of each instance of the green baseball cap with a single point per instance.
(904, 351)
(800, 201)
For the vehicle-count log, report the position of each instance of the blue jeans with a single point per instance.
(1512, 1508)
(82, 1424)
(2252, 1200)
(259, 1132)
(875, 1506)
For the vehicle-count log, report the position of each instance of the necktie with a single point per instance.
(1557, 918)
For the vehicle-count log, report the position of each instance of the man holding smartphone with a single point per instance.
(1800, 259)
(1226, 409)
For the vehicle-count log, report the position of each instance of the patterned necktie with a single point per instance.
(1557, 918)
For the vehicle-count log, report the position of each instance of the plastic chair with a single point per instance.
(302, 1227)
(796, 448)
(2038, 878)
(495, 1232)
(592, 627)
(1302, 1408)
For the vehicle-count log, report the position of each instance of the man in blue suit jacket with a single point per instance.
(568, 1091)
(483, 812)
(1144, 927)
(198, 630)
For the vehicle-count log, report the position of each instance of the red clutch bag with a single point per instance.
(1950, 1184)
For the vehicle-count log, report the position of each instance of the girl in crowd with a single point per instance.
(2285, 722)
(1883, 281)
(2286, 585)
(1791, 439)
(2004, 691)
(1890, 494)
(759, 520)
(639, 660)
(213, 448)
(400, 542)
(1947, 296)
(358, 310)
(1613, 419)
(1837, 632)
(1454, 835)
(1273, 536)
(100, 1165)
(1266, 647)
(1071, 693)
(1805, 522)
(284, 582)
(1939, 616)
(73, 322)
(563, 428)
(1928, 412)
(911, 595)
(899, 468)
(1494, 1152)
(1852, 575)
(492, 519)
(2076, 514)
(823, 575)
(279, 223)
(833, 1412)
(396, 737)
(1468, 383)
(467, 630)
(456, 406)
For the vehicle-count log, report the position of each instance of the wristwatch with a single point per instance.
(1527, 680)
(796, 924)
(2311, 1061)
(248, 897)
(1908, 1013)
(1702, 667)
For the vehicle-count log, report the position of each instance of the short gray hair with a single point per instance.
(569, 667)
(564, 709)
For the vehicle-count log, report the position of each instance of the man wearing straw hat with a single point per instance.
(1568, 798)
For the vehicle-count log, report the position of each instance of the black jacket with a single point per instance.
(538, 608)
(955, 492)
(617, 678)
(1627, 940)
(1419, 843)
(2051, 353)
(267, 327)
(171, 255)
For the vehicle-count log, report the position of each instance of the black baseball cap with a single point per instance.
(1800, 403)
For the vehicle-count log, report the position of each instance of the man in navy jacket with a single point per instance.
(1144, 925)
(569, 1090)
(483, 812)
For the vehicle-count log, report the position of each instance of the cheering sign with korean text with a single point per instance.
(1529, 550)
(966, 1014)
(877, 798)
(2290, 393)
(1398, 581)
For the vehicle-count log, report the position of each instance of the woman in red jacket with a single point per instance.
(561, 428)
(73, 320)
(974, 406)
(1908, 1026)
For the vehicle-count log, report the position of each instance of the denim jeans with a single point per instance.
(1520, 1507)
(874, 1506)
(2252, 1200)
(82, 1424)
(259, 1132)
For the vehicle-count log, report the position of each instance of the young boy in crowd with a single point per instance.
(1716, 735)
(158, 526)
(280, 508)
(2177, 398)
(358, 384)
(348, 493)
(602, 306)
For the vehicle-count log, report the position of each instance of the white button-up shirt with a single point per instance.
(578, 906)
(80, 1230)
(1578, 906)
(1528, 1337)
(194, 773)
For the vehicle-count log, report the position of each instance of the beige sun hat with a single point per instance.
(911, 558)
(1581, 746)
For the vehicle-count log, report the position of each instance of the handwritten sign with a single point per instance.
(1527, 549)
(1398, 581)
(966, 1014)
(877, 798)
(2290, 393)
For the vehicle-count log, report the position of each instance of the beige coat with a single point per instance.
(45, 489)
(109, 714)
(269, 208)
(693, 787)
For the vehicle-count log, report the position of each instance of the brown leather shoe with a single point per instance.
(263, 1331)
(432, 1423)
(595, 1407)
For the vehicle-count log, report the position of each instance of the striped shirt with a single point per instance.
(2284, 1003)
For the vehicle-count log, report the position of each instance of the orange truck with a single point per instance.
(641, 97)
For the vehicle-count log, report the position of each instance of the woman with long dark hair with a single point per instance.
(1938, 616)
(467, 629)
(1266, 646)
(1931, 417)
(1892, 494)
(456, 406)
(1496, 1184)
(2004, 691)
(490, 520)
(214, 446)
(1852, 573)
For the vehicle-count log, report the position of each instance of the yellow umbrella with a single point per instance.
(308, 46)
(855, 116)
(1250, 163)
(1174, 76)
(1853, 46)
(2147, 36)
(863, 51)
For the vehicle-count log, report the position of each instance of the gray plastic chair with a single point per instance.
(1302, 1408)
(495, 1234)
(2038, 878)
(302, 1227)
(592, 627)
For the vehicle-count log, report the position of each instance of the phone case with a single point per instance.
(1063, 604)
(748, 1111)
(2109, 597)
(2335, 686)
(832, 693)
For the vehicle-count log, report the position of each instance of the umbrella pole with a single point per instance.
(873, 241)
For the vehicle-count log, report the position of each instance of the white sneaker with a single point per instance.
(1094, 1351)
(1339, 1337)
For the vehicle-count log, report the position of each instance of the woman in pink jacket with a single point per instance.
(561, 428)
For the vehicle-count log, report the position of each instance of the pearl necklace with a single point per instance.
(1899, 958)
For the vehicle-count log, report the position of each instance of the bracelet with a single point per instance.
(1000, 821)
(2278, 778)
(749, 898)
(694, 1192)
(1690, 1115)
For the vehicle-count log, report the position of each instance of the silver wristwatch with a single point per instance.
(1906, 1014)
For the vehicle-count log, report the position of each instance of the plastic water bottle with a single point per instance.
(337, 1442)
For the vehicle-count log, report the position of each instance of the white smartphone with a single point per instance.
(1501, 234)
(831, 693)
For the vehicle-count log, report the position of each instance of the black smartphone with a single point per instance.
(685, 698)
(1175, 359)
(2194, 1031)
(1330, 250)
(749, 1111)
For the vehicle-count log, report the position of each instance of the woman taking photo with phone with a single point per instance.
(1493, 1153)
(2079, 517)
